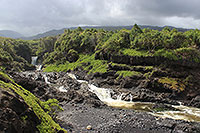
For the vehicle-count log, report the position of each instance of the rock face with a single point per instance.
(149, 60)
(15, 114)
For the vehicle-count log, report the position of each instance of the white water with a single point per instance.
(38, 67)
(34, 60)
(105, 96)
(72, 76)
(62, 89)
(185, 113)
(46, 79)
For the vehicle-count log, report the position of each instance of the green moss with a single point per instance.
(134, 52)
(170, 54)
(127, 74)
(24, 117)
(190, 54)
(51, 107)
(173, 83)
(87, 62)
(5, 77)
(47, 123)
(148, 75)
(149, 67)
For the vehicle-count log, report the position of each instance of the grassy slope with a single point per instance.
(88, 62)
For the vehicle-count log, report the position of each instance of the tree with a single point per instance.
(135, 31)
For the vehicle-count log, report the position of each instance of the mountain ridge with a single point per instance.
(10, 34)
(55, 32)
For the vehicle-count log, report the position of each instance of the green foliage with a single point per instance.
(23, 50)
(127, 74)
(191, 54)
(87, 62)
(15, 54)
(82, 41)
(118, 41)
(150, 40)
(45, 45)
(51, 107)
(173, 83)
(134, 42)
(134, 52)
(194, 36)
(135, 31)
(170, 54)
(72, 55)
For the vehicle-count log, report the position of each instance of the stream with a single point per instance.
(190, 114)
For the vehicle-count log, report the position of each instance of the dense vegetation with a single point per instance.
(72, 44)
(99, 51)
(15, 54)
(167, 43)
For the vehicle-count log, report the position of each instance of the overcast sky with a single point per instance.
(31, 17)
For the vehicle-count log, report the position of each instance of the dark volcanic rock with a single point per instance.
(195, 102)
(148, 60)
(12, 110)
(75, 92)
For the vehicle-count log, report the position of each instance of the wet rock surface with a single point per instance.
(74, 92)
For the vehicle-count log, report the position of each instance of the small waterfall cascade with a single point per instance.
(46, 79)
(34, 60)
(38, 67)
(104, 94)
(62, 89)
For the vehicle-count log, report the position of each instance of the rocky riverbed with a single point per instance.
(85, 112)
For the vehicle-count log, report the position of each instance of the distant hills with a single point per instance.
(57, 32)
(10, 34)
(13, 34)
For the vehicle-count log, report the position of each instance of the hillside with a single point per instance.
(10, 34)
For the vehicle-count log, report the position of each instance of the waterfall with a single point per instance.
(38, 67)
(34, 60)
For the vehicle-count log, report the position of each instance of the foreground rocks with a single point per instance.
(15, 115)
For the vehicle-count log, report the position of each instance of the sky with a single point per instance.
(30, 17)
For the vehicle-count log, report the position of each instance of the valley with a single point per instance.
(95, 80)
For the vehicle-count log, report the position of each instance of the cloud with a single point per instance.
(36, 16)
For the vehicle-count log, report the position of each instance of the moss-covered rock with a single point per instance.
(39, 119)
(172, 83)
